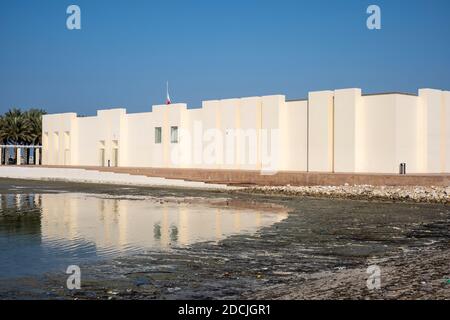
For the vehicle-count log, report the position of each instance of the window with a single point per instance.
(158, 135)
(174, 134)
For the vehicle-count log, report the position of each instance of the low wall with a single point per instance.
(247, 177)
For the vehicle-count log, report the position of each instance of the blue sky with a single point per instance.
(211, 49)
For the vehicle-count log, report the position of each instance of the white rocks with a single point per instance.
(403, 193)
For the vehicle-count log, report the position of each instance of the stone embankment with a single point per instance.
(362, 192)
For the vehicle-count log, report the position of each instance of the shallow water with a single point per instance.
(47, 232)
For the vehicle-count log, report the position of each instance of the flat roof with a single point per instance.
(386, 93)
(365, 95)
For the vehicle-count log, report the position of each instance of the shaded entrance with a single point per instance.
(20, 155)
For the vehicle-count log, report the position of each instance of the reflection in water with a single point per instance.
(42, 232)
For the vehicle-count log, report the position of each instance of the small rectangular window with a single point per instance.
(174, 134)
(158, 135)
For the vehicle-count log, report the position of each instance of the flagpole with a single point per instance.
(168, 101)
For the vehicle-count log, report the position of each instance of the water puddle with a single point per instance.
(46, 232)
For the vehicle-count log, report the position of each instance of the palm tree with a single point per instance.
(2, 140)
(2, 137)
(3, 134)
(15, 129)
(21, 128)
(33, 119)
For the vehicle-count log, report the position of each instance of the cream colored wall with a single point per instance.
(229, 111)
(158, 119)
(195, 127)
(446, 96)
(347, 103)
(273, 109)
(332, 131)
(296, 138)
(112, 127)
(407, 134)
(390, 134)
(176, 117)
(249, 141)
(226, 134)
(142, 151)
(108, 126)
(434, 123)
(54, 143)
(321, 131)
(379, 134)
(88, 142)
(141, 140)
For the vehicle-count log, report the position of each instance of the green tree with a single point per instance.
(2, 140)
(21, 128)
(15, 129)
(33, 119)
(2, 136)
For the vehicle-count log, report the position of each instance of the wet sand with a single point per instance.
(321, 251)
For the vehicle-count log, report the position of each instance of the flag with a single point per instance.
(168, 101)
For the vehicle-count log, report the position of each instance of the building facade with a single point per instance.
(342, 131)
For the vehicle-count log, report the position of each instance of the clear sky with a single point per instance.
(211, 49)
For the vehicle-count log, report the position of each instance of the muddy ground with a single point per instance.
(321, 251)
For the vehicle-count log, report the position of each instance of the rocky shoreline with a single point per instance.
(361, 192)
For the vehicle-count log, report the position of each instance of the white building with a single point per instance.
(332, 131)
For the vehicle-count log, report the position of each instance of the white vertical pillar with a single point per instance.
(433, 117)
(346, 104)
(36, 156)
(321, 131)
(18, 152)
(271, 146)
(447, 130)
